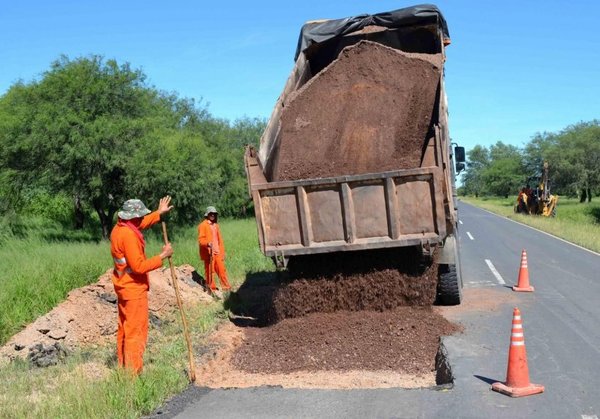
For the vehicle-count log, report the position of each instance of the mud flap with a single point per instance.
(280, 260)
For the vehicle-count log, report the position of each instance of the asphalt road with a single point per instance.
(561, 321)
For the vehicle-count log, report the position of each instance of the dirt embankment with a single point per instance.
(88, 316)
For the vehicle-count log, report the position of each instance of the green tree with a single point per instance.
(200, 164)
(92, 130)
(575, 159)
(235, 199)
(505, 173)
(535, 152)
(247, 131)
(478, 160)
(179, 164)
(19, 150)
(573, 156)
(503, 177)
(80, 123)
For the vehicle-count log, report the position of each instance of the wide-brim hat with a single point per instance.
(209, 210)
(133, 208)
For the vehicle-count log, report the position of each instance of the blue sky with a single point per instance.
(514, 68)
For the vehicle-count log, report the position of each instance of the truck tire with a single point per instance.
(449, 288)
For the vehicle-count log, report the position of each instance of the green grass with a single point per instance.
(89, 386)
(576, 222)
(35, 275)
(243, 255)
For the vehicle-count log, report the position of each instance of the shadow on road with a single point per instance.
(490, 381)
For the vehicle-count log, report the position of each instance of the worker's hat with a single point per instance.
(209, 210)
(133, 208)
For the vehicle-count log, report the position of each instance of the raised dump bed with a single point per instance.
(357, 153)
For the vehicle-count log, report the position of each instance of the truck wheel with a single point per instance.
(449, 291)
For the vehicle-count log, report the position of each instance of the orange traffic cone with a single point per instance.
(517, 377)
(523, 281)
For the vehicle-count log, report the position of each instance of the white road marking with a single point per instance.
(589, 417)
(469, 234)
(460, 221)
(495, 272)
(551, 295)
(479, 284)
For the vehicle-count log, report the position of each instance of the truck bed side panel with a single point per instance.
(368, 211)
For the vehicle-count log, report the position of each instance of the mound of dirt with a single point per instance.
(376, 291)
(347, 281)
(344, 350)
(88, 316)
(333, 319)
(403, 340)
(369, 111)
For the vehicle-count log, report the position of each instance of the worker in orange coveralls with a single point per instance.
(212, 249)
(130, 277)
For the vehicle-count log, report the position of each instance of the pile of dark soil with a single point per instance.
(382, 287)
(403, 340)
(369, 111)
(349, 281)
(347, 311)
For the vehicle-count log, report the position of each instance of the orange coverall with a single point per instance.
(130, 279)
(209, 232)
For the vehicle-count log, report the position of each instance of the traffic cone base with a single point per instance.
(522, 289)
(518, 391)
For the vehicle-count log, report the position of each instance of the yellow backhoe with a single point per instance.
(538, 201)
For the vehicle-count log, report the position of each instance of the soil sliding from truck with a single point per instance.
(342, 312)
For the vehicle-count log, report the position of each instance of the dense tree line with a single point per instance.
(91, 133)
(573, 156)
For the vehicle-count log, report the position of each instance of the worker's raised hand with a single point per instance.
(164, 205)
(167, 251)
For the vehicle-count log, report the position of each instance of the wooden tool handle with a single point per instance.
(192, 372)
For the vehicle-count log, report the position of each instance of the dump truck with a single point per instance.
(357, 154)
